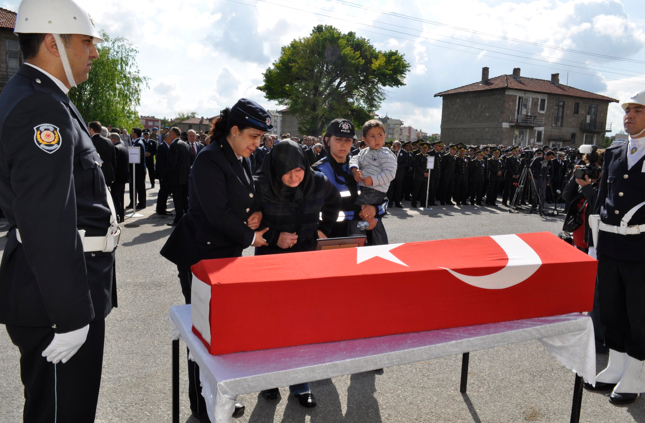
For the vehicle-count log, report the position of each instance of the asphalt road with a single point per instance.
(516, 383)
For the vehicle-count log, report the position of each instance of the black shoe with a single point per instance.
(141, 206)
(600, 387)
(307, 400)
(622, 398)
(399, 205)
(505, 204)
(239, 409)
(166, 213)
(201, 418)
(129, 206)
(450, 203)
(173, 224)
(443, 203)
(270, 394)
(414, 204)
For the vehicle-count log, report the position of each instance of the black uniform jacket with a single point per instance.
(50, 186)
(512, 167)
(140, 168)
(435, 173)
(494, 166)
(105, 148)
(121, 172)
(178, 167)
(620, 190)
(477, 170)
(220, 202)
(162, 160)
(420, 167)
(461, 168)
(448, 164)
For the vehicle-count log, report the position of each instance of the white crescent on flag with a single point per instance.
(523, 262)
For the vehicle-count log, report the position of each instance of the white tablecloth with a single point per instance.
(569, 338)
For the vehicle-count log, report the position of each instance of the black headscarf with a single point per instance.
(283, 158)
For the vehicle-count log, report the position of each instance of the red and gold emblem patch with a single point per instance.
(47, 137)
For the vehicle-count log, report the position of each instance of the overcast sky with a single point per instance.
(203, 55)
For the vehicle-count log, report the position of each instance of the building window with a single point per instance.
(590, 139)
(573, 137)
(190, 126)
(13, 57)
(576, 109)
(558, 113)
(542, 105)
(538, 137)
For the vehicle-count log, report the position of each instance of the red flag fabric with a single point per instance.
(273, 301)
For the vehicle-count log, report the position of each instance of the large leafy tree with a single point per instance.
(329, 75)
(113, 89)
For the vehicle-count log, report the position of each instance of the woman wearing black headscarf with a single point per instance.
(299, 206)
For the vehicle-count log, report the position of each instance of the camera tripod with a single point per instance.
(527, 181)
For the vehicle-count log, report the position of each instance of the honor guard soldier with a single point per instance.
(420, 174)
(619, 244)
(435, 173)
(476, 178)
(495, 177)
(446, 182)
(460, 193)
(57, 274)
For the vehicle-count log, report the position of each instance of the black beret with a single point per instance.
(249, 113)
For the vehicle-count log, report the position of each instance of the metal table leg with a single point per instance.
(577, 400)
(175, 381)
(464, 373)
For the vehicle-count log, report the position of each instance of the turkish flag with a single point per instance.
(273, 301)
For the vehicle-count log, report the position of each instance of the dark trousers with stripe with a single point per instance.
(59, 392)
(621, 286)
(197, 402)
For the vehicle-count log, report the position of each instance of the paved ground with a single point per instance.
(511, 384)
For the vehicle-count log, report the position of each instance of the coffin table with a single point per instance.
(569, 338)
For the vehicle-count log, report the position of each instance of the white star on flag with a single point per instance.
(382, 251)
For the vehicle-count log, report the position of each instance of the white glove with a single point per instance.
(65, 345)
(592, 253)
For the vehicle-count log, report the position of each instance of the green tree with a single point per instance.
(113, 89)
(329, 75)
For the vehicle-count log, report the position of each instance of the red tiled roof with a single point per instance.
(7, 18)
(526, 84)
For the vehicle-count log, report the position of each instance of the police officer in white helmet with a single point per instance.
(57, 272)
(618, 228)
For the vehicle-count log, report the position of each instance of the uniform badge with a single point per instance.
(47, 137)
(268, 121)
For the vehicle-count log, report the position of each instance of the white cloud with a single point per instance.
(203, 55)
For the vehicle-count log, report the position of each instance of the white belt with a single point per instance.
(92, 244)
(624, 228)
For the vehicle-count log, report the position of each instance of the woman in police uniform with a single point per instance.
(222, 207)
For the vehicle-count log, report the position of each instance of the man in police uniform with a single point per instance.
(57, 272)
(620, 243)
(421, 172)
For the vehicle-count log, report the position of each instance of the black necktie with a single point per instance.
(245, 170)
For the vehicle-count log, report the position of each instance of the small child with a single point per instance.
(373, 167)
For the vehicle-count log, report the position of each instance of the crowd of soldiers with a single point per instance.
(477, 175)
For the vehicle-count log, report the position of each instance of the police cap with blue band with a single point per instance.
(248, 112)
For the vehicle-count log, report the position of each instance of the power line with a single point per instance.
(472, 31)
(488, 50)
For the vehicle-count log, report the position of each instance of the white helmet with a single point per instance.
(638, 98)
(56, 17)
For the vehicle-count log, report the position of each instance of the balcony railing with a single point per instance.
(596, 127)
(526, 120)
